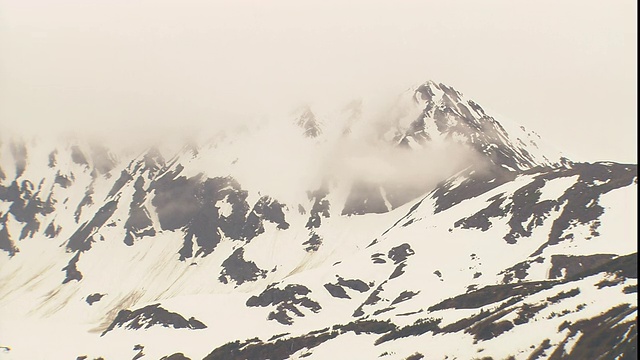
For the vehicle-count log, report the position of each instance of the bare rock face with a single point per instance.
(152, 315)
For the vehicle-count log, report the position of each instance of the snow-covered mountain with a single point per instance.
(427, 230)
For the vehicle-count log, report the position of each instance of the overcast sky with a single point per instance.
(566, 69)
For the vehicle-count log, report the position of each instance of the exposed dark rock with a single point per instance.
(52, 158)
(63, 180)
(563, 295)
(186, 251)
(604, 336)
(610, 281)
(83, 237)
(139, 223)
(377, 258)
(527, 311)
(364, 198)
(278, 350)
(526, 205)
(78, 157)
(540, 350)
(354, 284)
(124, 178)
(26, 205)
(454, 120)
(419, 327)
(233, 224)
(372, 299)
(479, 320)
(319, 209)
(140, 353)
(308, 122)
(399, 270)
(236, 268)
(10, 193)
(6, 243)
(579, 203)
(176, 356)
(72, 270)
(32, 224)
(336, 291)
(366, 327)
(94, 298)
(314, 242)
(278, 336)
(492, 294)
(286, 302)
(151, 163)
(191, 203)
(103, 162)
(519, 270)
(204, 223)
(152, 315)
(582, 198)
(488, 330)
(573, 265)
(19, 151)
(175, 199)
(86, 200)
(282, 348)
(624, 266)
(481, 220)
(476, 182)
(490, 324)
(52, 230)
(404, 296)
(398, 193)
(424, 92)
(265, 209)
(416, 356)
(523, 206)
(382, 311)
(400, 253)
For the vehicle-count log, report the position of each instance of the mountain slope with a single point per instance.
(437, 231)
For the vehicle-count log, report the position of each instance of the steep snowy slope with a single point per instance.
(433, 232)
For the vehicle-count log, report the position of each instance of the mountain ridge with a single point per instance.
(379, 237)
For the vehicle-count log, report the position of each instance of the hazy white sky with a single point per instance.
(566, 69)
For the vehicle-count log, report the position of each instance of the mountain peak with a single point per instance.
(447, 115)
(307, 120)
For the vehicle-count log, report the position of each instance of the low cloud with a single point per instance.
(274, 157)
